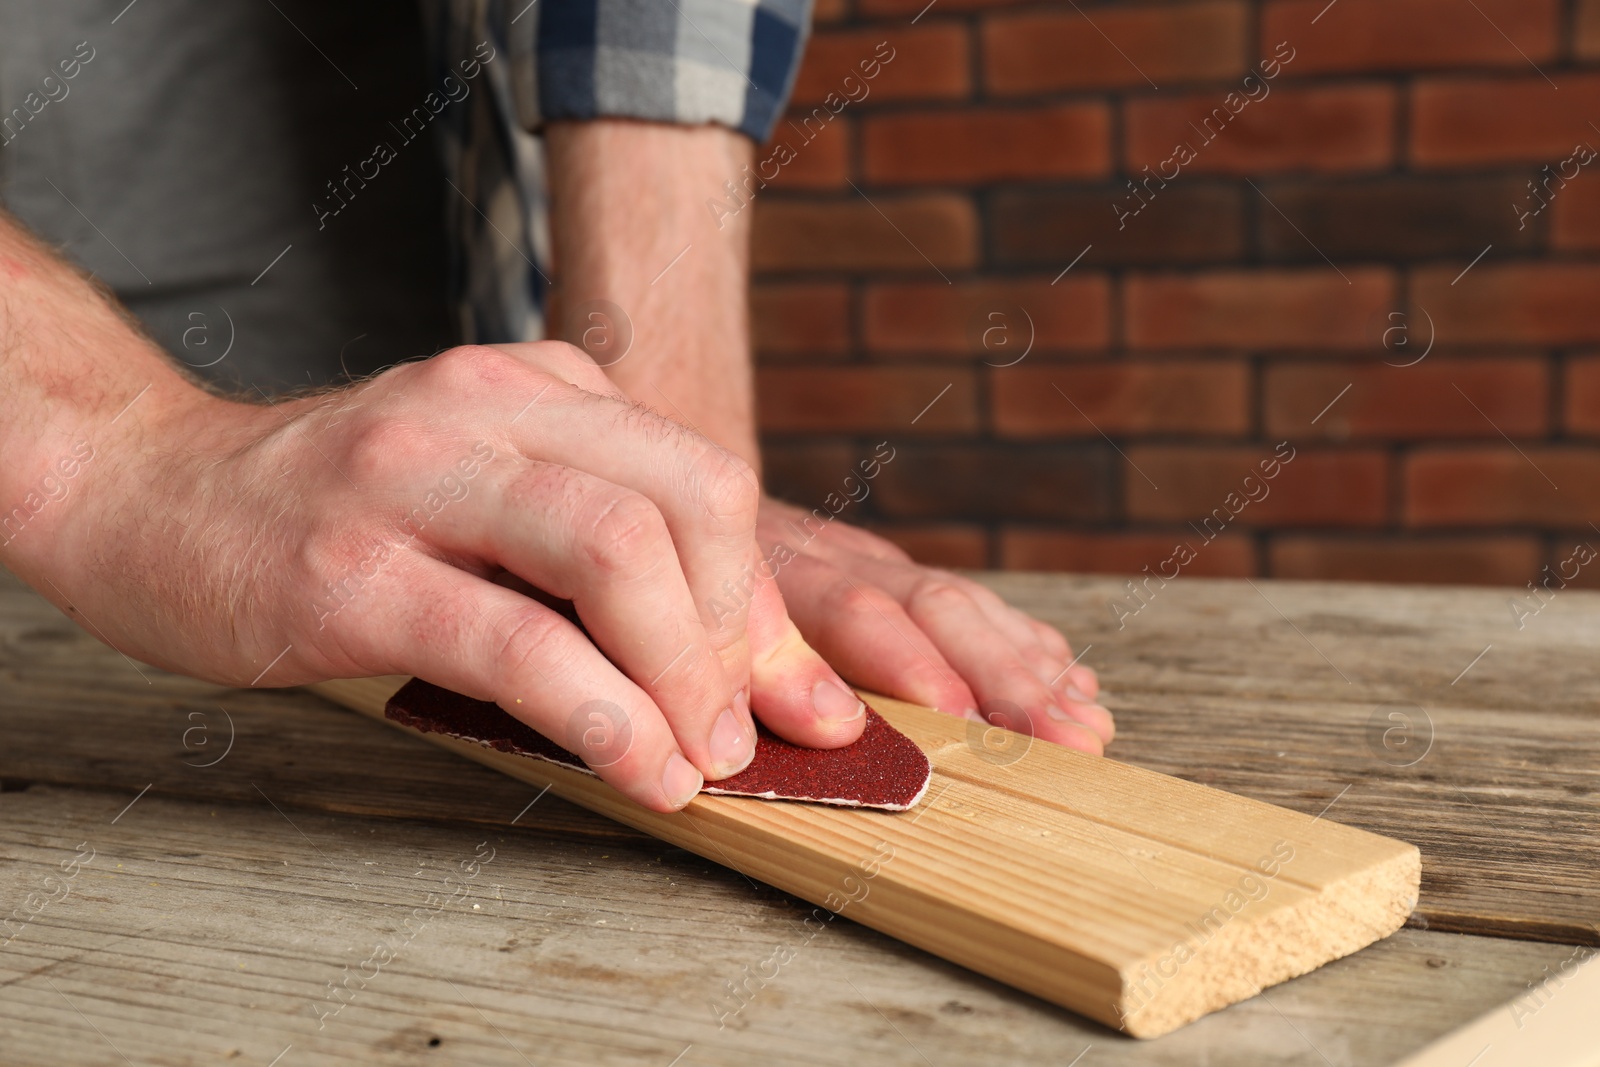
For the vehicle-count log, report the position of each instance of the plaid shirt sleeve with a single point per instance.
(689, 61)
(731, 62)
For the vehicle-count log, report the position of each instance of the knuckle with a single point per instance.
(975, 590)
(848, 601)
(625, 532)
(379, 445)
(1017, 677)
(936, 595)
(532, 633)
(727, 488)
(470, 367)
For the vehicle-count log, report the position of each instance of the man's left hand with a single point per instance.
(925, 635)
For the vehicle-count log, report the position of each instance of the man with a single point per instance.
(255, 183)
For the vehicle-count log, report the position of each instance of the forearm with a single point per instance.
(78, 384)
(633, 225)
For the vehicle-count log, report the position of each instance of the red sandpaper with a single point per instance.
(884, 769)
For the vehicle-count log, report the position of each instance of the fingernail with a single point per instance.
(835, 703)
(732, 745)
(741, 707)
(680, 781)
(1077, 696)
(1055, 712)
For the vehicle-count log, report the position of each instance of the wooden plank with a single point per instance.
(1209, 683)
(206, 933)
(1139, 900)
(1273, 692)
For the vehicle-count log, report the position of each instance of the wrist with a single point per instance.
(122, 467)
(676, 269)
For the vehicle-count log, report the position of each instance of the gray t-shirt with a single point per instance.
(176, 149)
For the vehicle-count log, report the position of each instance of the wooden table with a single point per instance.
(204, 875)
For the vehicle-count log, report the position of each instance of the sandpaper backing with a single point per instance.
(883, 769)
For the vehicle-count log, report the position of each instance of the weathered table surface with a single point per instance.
(195, 875)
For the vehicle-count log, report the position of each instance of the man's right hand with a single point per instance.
(360, 532)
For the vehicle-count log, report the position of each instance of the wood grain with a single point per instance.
(1139, 900)
(207, 933)
(1209, 682)
(1271, 691)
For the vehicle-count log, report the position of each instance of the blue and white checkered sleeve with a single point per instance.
(731, 62)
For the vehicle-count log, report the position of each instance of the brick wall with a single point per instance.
(1279, 281)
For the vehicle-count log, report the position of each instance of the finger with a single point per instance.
(1024, 633)
(1000, 615)
(708, 496)
(1007, 619)
(820, 536)
(1077, 681)
(869, 639)
(1002, 675)
(607, 549)
(792, 690)
(837, 537)
(1073, 682)
(472, 636)
(1002, 680)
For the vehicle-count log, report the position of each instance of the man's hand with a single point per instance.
(373, 531)
(887, 623)
(929, 636)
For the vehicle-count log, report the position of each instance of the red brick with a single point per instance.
(1466, 121)
(1447, 560)
(989, 144)
(1124, 397)
(928, 62)
(805, 470)
(866, 400)
(1408, 35)
(1228, 556)
(1581, 397)
(1586, 29)
(823, 162)
(807, 319)
(941, 545)
(827, 11)
(1520, 303)
(851, 235)
(1306, 308)
(1574, 213)
(1389, 218)
(1323, 487)
(1044, 51)
(1408, 403)
(960, 320)
(983, 481)
(1203, 221)
(1327, 130)
(1497, 485)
